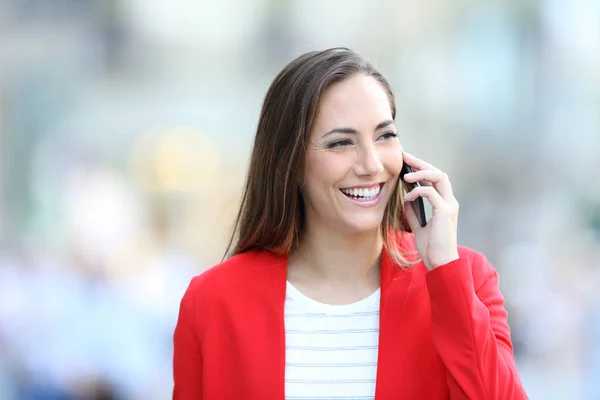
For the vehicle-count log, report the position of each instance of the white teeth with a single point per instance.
(362, 194)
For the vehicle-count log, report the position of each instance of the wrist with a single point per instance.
(442, 261)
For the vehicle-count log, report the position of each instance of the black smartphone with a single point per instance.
(418, 204)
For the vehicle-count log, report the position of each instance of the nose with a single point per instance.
(368, 162)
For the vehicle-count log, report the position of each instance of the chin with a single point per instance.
(363, 226)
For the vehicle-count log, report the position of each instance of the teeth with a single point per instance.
(362, 194)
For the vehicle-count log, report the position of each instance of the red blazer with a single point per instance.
(443, 333)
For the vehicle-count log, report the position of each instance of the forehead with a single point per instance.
(354, 102)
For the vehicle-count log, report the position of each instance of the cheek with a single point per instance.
(326, 169)
(392, 160)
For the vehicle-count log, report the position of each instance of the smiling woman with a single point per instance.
(310, 111)
(333, 289)
(352, 147)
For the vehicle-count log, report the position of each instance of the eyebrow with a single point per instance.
(380, 125)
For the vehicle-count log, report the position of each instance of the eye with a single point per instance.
(388, 135)
(339, 143)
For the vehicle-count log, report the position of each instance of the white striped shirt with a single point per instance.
(331, 350)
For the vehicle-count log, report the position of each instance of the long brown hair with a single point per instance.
(271, 214)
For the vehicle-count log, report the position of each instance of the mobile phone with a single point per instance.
(418, 204)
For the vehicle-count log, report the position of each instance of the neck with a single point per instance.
(330, 256)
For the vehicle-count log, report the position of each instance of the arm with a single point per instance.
(470, 331)
(187, 355)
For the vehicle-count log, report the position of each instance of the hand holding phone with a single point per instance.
(418, 204)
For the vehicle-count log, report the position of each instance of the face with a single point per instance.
(353, 157)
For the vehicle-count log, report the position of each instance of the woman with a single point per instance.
(327, 294)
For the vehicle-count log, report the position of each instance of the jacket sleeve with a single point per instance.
(470, 331)
(187, 353)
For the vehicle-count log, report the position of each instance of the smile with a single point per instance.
(363, 193)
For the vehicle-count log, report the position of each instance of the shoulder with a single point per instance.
(471, 273)
(232, 275)
(476, 263)
(470, 254)
(230, 283)
(481, 269)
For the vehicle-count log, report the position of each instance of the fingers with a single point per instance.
(429, 193)
(428, 175)
(435, 186)
(436, 178)
(417, 163)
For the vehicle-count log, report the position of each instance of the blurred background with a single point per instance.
(126, 128)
